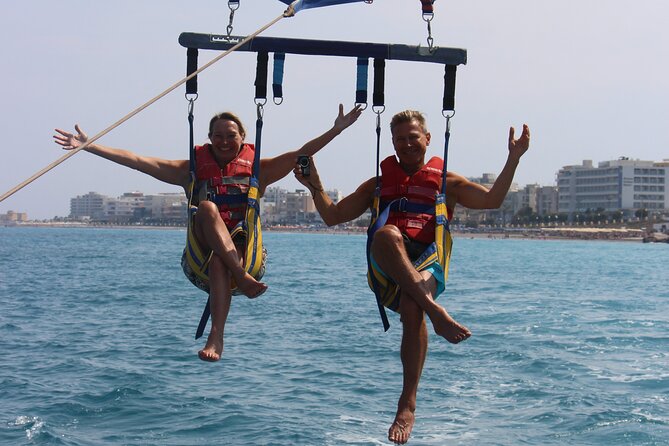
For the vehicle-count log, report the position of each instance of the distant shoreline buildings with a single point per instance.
(616, 190)
(278, 207)
(621, 189)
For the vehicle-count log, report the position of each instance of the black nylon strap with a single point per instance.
(378, 97)
(449, 88)
(203, 320)
(191, 67)
(261, 75)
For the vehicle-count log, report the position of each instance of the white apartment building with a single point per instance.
(125, 207)
(131, 205)
(547, 200)
(166, 206)
(89, 206)
(622, 184)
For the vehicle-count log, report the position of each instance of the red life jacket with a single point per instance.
(413, 216)
(227, 187)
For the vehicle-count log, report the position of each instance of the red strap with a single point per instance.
(427, 6)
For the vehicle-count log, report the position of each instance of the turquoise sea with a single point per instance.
(570, 346)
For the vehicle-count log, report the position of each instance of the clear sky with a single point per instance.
(590, 78)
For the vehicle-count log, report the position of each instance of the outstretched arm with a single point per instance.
(475, 196)
(349, 208)
(170, 171)
(273, 169)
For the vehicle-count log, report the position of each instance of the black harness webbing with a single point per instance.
(378, 101)
(448, 110)
(261, 75)
(191, 90)
(378, 97)
(261, 97)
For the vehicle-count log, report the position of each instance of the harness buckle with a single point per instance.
(402, 204)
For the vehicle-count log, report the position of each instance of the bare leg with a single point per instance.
(212, 234)
(390, 254)
(220, 298)
(413, 352)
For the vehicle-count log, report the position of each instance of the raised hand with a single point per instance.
(343, 121)
(517, 147)
(313, 181)
(70, 141)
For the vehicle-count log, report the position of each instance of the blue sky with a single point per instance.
(590, 78)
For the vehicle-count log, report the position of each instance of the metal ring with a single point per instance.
(360, 104)
(448, 114)
(378, 109)
(193, 99)
(277, 101)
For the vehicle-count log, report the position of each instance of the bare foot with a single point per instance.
(400, 430)
(213, 348)
(445, 326)
(249, 286)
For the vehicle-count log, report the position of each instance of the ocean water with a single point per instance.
(570, 345)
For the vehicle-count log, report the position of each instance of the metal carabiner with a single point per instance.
(427, 17)
(260, 111)
(233, 6)
(191, 101)
(448, 114)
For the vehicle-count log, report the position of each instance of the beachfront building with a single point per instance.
(281, 207)
(126, 208)
(466, 216)
(619, 185)
(278, 207)
(166, 207)
(11, 218)
(547, 200)
(88, 207)
(130, 207)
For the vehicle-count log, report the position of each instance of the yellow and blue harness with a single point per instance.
(388, 292)
(249, 227)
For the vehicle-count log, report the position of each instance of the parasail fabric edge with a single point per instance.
(306, 4)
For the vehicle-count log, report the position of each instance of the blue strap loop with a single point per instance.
(277, 77)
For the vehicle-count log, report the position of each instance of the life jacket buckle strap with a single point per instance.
(402, 204)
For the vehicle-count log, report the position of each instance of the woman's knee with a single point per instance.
(387, 235)
(206, 211)
(207, 207)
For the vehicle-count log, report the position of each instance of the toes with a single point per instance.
(208, 356)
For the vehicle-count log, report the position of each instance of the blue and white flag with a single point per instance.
(306, 4)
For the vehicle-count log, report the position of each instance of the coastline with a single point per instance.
(540, 233)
